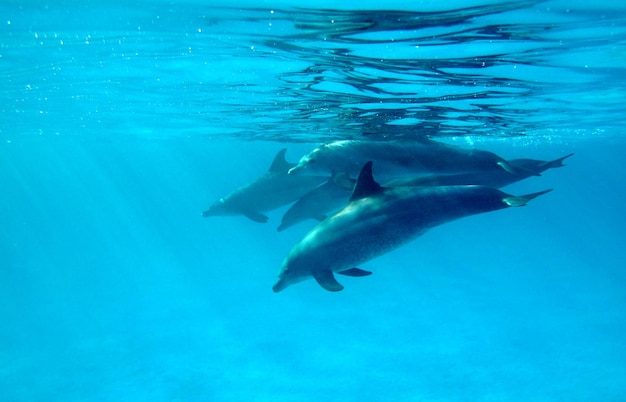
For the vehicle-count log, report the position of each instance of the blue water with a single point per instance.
(121, 123)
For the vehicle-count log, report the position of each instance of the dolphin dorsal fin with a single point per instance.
(365, 185)
(280, 164)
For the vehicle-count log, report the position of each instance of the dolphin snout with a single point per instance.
(280, 285)
(294, 169)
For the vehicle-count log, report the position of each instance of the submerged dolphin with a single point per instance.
(399, 158)
(378, 220)
(332, 196)
(492, 178)
(270, 191)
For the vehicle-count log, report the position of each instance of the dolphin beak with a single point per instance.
(282, 282)
(280, 285)
(294, 169)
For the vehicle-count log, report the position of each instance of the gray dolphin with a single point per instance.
(330, 197)
(270, 191)
(399, 158)
(378, 220)
(492, 178)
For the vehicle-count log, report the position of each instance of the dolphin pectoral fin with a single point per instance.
(255, 216)
(522, 200)
(355, 272)
(517, 170)
(327, 280)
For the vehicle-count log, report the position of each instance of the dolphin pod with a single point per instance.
(377, 220)
(425, 184)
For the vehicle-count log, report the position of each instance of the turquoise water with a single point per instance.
(121, 123)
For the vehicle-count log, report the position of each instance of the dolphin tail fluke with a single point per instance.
(517, 170)
(327, 280)
(520, 201)
(555, 163)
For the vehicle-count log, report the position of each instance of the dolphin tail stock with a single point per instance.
(516, 170)
(555, 163)
(520, 201)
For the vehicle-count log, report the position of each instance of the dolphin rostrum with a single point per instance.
(377, 220)
(272, 190)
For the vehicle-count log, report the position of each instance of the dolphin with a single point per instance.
(331, 197)
(377, 220)
(400, 158)
(492, 178)
(270, 191)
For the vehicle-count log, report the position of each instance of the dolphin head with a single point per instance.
(310, 164)
(294, 270)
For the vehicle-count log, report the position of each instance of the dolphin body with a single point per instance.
(378, 220)
(399, 158)
(332, 196)
(270, 191)
(525, 168)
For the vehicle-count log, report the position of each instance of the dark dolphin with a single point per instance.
(399, 158)
(492, 178)
(378, 220)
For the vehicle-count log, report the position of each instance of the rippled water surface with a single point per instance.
(301, 73)
(121, 122)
